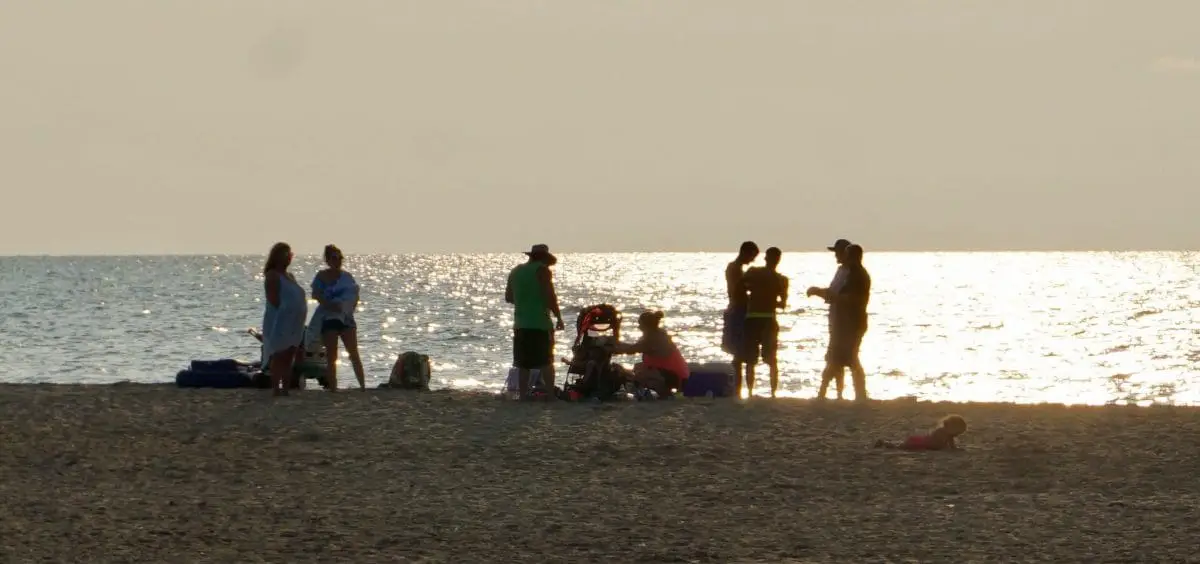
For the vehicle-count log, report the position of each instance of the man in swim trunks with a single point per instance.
(831, 374)
(732, 335)
(848, 324)
(530, 289)
(768, 290)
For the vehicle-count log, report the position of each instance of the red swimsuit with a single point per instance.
(919, 442)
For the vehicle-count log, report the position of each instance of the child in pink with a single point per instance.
(941, 438)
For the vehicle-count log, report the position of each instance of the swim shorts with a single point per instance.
(336, 325)
(532, 348)
(762, 333)
(844, 343)
(733, 334)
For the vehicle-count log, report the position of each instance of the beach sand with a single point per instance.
(129, 473)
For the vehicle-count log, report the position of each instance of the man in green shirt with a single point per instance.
(530, 289)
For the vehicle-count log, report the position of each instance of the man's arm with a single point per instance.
(547, 281)
(783, 292)
(731, 282)
(508, 291)
(818, 292)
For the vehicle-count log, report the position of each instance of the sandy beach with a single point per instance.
(139, 473)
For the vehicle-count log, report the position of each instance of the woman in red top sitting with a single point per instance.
(662, 368)
(941, 438)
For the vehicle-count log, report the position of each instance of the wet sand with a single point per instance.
(131, 473)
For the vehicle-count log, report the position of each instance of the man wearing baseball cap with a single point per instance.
(839, 252)
(848, 325)
(530, 289)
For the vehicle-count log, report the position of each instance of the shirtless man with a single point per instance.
(732, 336)
(768, 291)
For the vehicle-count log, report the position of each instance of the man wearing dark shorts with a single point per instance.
(829, 375)
(767, 291)
(530, 289)
(733, 333)
(848, 325)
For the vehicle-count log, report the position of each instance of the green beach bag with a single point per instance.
(411, 372)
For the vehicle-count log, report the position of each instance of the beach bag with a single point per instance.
(512, 384)
(411, 372)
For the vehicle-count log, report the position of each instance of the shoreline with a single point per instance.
(146, 473)
(484, 394)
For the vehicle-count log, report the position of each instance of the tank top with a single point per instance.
(530, 309)
(673, 362)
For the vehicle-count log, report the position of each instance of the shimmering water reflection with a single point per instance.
(1026, 327)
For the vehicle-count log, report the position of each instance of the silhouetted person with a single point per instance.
(286, 309)
(733, 334)
(336, 293)
(848, 324)
(839, 277)
(530, 289)
(768, 290)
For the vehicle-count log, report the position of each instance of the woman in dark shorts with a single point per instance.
(662, 368)
(336, 293)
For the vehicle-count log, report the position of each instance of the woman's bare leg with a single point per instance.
(282, 364)
(296, 361)
(330, 339)
(350, 339)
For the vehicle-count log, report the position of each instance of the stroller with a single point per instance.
(591, 372)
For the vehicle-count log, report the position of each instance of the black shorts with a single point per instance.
(336, 326)
(761, 333)
(532, 348)
(843, 345)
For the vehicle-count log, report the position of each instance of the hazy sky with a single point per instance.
(447, 125)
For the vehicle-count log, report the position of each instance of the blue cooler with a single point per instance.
(716, 378)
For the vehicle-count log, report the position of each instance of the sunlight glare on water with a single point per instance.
(1025, 327)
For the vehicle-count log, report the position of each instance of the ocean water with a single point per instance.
(1026, 327)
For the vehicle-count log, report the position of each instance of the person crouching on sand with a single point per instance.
(941, 438)
(662, 368)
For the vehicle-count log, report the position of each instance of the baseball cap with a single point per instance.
(839, 245)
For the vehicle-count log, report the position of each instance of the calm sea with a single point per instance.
(1026, 327)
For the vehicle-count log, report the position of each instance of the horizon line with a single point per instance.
(569, 252)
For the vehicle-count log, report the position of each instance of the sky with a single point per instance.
(223, 126)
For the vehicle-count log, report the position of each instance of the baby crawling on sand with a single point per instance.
(941, 438)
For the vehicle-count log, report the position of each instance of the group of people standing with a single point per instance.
(757, 294)
(751, 331)
(286, 324)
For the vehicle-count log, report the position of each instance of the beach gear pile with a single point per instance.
(412, 371)
(222, 373)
